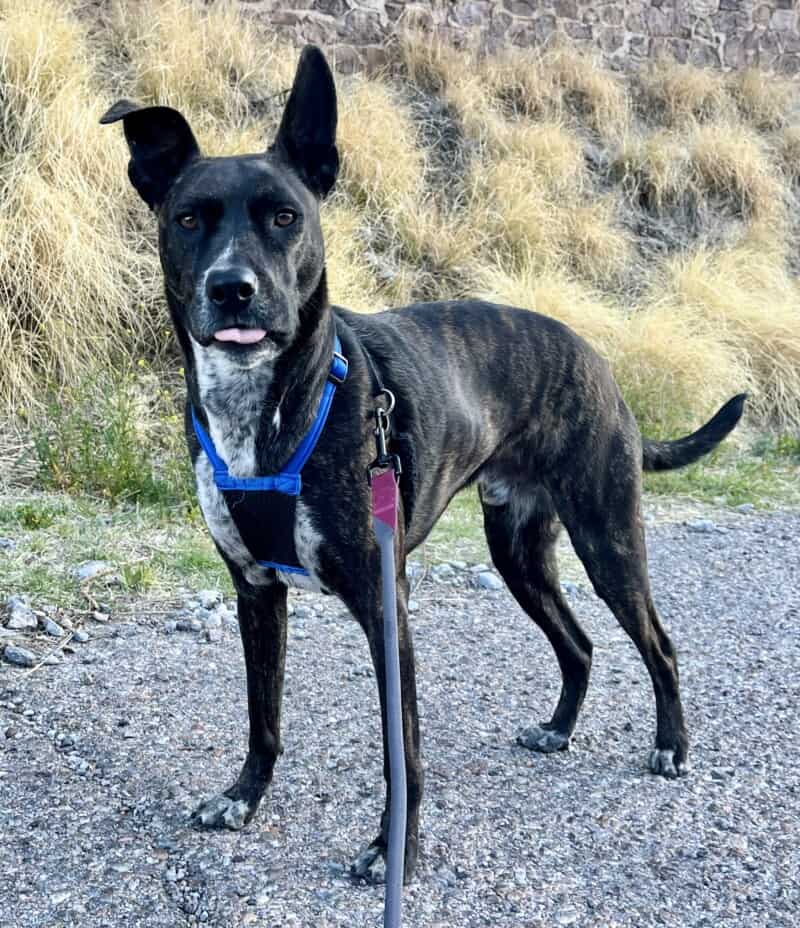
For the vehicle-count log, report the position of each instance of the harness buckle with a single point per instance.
(338, 371)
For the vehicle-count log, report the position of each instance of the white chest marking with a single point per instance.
(232, 397)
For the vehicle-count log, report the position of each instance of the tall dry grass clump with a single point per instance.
(655, 213)
(78, 287)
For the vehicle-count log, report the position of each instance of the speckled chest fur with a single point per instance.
(232, 398)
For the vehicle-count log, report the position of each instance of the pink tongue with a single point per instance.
(240, 336)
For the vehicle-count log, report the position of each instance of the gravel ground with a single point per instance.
(103, 756)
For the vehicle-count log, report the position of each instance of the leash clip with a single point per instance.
(384, 459)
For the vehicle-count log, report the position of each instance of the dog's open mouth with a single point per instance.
(240, 336)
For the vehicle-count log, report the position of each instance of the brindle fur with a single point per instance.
(501, 397)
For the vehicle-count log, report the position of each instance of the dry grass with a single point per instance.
(751, 304)
(381, 160)
(673, 93)
(560, 162)
(765, 101)
(559, 83)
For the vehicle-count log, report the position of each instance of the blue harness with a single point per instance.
(263, 508)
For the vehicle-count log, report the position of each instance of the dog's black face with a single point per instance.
(242, 252)
(240, 237)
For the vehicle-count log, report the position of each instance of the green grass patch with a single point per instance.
(766, 475)
(117, 437)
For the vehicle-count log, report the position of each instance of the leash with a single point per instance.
(383, 475)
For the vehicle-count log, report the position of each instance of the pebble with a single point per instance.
(100, 616)
(7, 544)
(413, 605)
(22, 657)
(80, 636)
(52, 628)
(189, 625)
(443, 571)
(489, 581)
(213, 635)
(209, 598)
(92, 569)
(701, 526)
(746, 508)
(20, 614)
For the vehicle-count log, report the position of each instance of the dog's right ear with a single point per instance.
(161, 145)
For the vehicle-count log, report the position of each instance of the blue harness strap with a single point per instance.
(288, 482)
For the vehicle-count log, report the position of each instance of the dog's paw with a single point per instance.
(664, 763)
(370, 865)
(544, 740)
(223, 812)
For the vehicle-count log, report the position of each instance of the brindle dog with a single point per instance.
(501, 397)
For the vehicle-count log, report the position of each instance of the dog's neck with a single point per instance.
(258, 415)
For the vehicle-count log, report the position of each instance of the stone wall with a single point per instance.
(717, 33)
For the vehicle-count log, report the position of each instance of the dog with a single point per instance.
(501, 397)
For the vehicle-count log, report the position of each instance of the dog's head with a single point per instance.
(239, 237)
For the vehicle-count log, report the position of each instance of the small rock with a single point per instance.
(478, 568)
(414, 569)
(52, 659)
(170, 626)
(701, 526)
(80, 636)
(489, 581)
(189, 625)
(213, 620)
(22, 657)
(209, 598)
(20, 614)
(213, 635)
(100, 616)
(413, 605)
(52, 628)
(443, 571)
(92, 569)
(458, 565)
(745, 508)
(125, 631)
(303, 612)
(7, 544)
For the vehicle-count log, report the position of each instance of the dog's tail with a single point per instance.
(667, 455)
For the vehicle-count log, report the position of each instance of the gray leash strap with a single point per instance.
(383, 476)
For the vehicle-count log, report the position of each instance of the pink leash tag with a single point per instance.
(385, 497)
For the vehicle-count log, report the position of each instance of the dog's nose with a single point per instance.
(232, 287)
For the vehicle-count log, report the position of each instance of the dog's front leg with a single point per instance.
(370, 865)
(262, 623)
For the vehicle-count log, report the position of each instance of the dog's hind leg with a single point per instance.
(262, 623)
(605, 525)
(522, 533)
(370, 865)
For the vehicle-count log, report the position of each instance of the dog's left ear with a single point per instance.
(306, 138)
(161, 146)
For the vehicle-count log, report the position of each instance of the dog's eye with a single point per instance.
(188, 221)
(285, 217)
